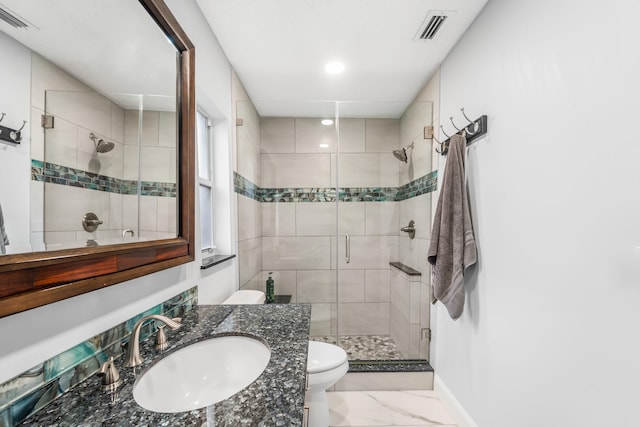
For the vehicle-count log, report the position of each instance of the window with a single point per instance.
(205, 175)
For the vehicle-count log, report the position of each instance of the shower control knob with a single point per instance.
(90, 222)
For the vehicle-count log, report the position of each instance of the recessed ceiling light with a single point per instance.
(334, 67)
(324, 145)
(327, 122)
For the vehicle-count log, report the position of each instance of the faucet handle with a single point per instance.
(110, 377)
(162, 343)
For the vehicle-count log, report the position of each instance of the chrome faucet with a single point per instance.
(132, 358)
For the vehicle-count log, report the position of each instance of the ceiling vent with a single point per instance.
(12, 19)
(432, 24)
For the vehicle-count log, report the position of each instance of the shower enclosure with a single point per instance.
(321, 204)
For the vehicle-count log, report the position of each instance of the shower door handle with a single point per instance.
(347, 248)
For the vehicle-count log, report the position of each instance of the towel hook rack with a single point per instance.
(474, 130)
(8, 134)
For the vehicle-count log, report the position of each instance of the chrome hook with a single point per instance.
(15, 135)
(454, 125)
(442, 129)
(476, 126)
(2, 117)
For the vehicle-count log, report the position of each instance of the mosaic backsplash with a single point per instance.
(35, 388)
(423, 185)
(63, 175)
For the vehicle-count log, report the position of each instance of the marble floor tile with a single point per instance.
(387, 408)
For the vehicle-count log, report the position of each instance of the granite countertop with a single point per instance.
(275, 398)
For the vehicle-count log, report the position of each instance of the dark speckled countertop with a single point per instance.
(275, 398)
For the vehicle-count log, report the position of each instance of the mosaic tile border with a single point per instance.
(30, 391)
(64, 175)
(423, 185)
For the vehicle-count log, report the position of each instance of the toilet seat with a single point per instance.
(323, 357)
(245, 297)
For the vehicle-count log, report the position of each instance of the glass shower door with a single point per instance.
(382, 313)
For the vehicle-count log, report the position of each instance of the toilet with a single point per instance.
(245, 297)
(326, 364)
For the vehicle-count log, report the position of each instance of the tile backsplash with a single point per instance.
(35, 388)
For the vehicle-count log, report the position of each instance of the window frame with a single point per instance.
(206, 182)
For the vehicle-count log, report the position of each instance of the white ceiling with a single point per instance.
(279, 48)
(112, 46)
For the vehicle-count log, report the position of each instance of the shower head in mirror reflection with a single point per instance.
(102, 146)
(401, 154)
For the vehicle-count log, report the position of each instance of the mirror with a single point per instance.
(110, 194)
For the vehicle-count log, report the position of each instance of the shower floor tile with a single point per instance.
(365, 347)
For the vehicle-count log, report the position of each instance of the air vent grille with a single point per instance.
(11, 19)
(432, 27)
(432, 24)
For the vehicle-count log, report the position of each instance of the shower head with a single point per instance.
(401, 154)
(102, 146)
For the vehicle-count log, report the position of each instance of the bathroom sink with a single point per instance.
(201, 374)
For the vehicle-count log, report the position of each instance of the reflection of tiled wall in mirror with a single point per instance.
(77, 179)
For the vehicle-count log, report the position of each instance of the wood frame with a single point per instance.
(35, 279)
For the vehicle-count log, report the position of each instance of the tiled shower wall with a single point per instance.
(76, 180)
(285, 185)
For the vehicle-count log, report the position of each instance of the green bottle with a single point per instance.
(271, 292)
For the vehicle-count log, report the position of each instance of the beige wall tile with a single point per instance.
(296, 253)
(382, 135)
(323, 319)
(310, 133)
(377, 285)
(351, 286)
(368, 252)
(148, 213)
(314, 286)
(249, 259)
(367, 170)
(382, 218)
(277, 135)
(352, 135)
(167, 133)
(278, 219)
(363, 318)
(315, 219)
(296, 170)
(61, 143)
(249, 218)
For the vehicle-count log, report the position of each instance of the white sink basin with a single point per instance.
(201, 374)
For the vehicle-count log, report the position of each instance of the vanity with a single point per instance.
(275, 398)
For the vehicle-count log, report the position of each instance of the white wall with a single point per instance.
(549, 332)
(35, 335)
(15, 162)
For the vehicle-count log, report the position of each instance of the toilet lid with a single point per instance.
(324, 357)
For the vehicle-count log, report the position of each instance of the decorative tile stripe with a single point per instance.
(63, 175)
(33, 389)
(417, 187)
(423, 185)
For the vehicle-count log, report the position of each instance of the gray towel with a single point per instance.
(4, 239)
(453, 247)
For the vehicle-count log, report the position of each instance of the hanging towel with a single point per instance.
(4, 239)
(453, 247)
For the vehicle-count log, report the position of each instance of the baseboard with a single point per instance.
(455, 409)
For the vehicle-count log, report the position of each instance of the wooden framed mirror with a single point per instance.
(34, 279)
